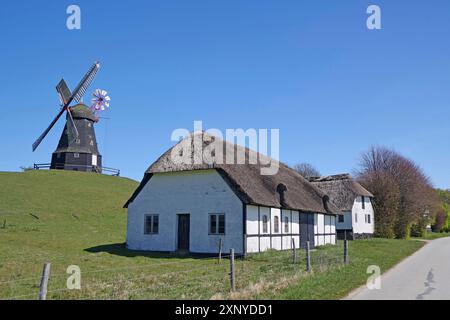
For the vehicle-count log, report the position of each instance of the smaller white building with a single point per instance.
(356, 219)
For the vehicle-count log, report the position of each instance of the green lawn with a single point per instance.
(74, 218)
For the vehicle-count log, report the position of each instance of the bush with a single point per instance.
(403, 228)
(419, 229)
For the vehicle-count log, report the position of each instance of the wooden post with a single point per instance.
(44, 281)
(308, 257)
(232, 287)
(345, 251)
(294, 252)
(220, 250)
(4, 224)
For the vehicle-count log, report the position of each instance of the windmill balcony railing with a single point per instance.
(104, 170)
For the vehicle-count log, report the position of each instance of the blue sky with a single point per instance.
(310, 68)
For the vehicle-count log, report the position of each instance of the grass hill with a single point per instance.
(45, 215)
(61, 206)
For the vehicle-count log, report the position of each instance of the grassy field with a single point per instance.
(73, 218)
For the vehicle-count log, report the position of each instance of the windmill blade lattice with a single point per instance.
(80, 90)
(71, 127)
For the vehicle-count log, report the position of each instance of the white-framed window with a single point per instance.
(363, 202)
(77, 141)
(76, 155)
(369, 219)
(216, 223)
(151, 224)
(276, 224)
(264, 224)
(286, 225)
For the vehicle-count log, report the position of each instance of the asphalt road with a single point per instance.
(423, 276)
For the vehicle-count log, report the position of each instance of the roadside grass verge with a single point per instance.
(337, 283)
(435, 235)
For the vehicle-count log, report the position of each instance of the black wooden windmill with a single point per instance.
(77, 147)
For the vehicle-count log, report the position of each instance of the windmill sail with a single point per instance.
(42, 136)
(80, 90)
(77, 94)
(63, 91)
(72, 129)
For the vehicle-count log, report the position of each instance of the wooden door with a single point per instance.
(183, 232)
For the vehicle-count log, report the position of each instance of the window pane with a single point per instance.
(212, 224)
(286, 225)
(155, 224)
(276, 222)
(222, 224)
(147, 225)
(264, 224)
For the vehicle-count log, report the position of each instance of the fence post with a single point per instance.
(346, 251)
(232, 288)
(294, 252)
(44, 281)
(220, 250)
(308, 257)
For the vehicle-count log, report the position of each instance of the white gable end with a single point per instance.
(197, 193)
(362, 224)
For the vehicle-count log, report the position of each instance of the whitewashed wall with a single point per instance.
(362, 226)
(197, 193)
(324, 229)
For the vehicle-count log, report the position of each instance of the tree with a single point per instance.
(444, 197)
(385, 202)
(403, 193)
(307, 170)
(439, 222)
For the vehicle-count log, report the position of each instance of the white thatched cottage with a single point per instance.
(354, 202)
(189, 205)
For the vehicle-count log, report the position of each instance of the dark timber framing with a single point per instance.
(310, 217)
(244, 224)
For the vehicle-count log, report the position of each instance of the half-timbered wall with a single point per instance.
(262, 236)
(324, 229)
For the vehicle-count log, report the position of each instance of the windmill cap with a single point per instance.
(81, 111)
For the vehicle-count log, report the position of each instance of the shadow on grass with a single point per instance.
(120, 249)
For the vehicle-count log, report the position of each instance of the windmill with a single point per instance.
(77, 147)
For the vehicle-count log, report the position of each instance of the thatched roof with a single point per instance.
(341, 189)
(285, 189)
